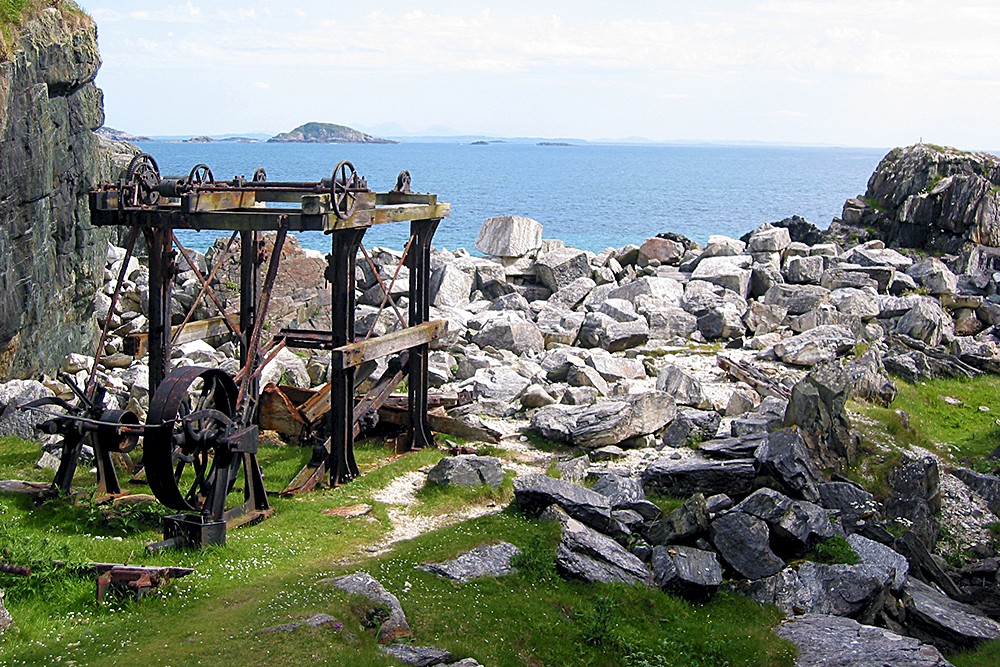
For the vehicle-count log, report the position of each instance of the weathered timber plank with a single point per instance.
(217, 200)
(355, 354)
(137, 344)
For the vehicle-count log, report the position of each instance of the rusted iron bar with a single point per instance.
(245, 396)
(136, 579)
(203, 290)
(419, 263)
(251, 256)
(341, 276)
(130, 247)
(161, 277)
(204, 283)
(385, 290)
(15, 569)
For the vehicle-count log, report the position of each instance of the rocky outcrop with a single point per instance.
(931, 197)
(51, 259)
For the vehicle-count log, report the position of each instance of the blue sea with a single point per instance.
(591, 196)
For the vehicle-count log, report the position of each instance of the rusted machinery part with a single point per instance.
(201, 174)
(142, 177)
(111, 437)
(402, 182)
(342, 185)
(183, 451)
(259, 175)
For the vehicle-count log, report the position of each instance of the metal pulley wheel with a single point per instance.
(200, 174)
(141, 178)
(343, 190)
(188, 464)
(259, 175)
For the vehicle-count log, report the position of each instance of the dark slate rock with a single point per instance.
(742, 541)
(691, 573)
(691, 425)
(923, 565)
(766, 504)
(620, 491)
(937, 619)
(785, 457)
(718, 503)
(986, 486)
(685, 523)
(314, 621)
(795, 525)
(488, 560)
(629, 519)
(534, 493)
(856, 591)
(817, 407)
(585, 554)
(697, 475)
(802, 527)
(361, 583)
(878, 555)
(855, 505)
(916, 498)
(467, 470)
(730, 448)
(831, 641)
(421, 656)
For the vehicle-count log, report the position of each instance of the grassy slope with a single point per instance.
(267, 575)
(13, 13)
(962, 434)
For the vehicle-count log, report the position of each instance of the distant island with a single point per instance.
(327, 133)
(554, 143)
(480, 143)
(118, 135)
(205, 139)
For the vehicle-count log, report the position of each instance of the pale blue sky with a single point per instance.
(853, 72)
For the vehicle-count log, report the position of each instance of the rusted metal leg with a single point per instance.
(161, 279)
(340, 274)
(419, 263)
(72, 445)
(249, 294)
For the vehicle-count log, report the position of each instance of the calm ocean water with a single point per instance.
(590, 196)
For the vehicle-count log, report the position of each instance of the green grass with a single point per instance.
(987, 655)
(439, 499)
(13, 14)
(267, 575)
(834, 551)
(963, 430)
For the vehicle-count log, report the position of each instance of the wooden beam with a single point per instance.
(355, 354)
(406, 212)
(440, 424)
(137, 344)
(217, 200)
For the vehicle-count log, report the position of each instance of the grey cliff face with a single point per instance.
(50, 256)
(931, 197)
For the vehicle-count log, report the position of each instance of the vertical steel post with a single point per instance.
(340, 273)
(419, 263)
(161, 280)
(249, 294)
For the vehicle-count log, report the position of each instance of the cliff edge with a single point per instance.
(51, 259)
(931, 197)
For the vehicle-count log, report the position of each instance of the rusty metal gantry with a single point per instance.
(204, 441)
